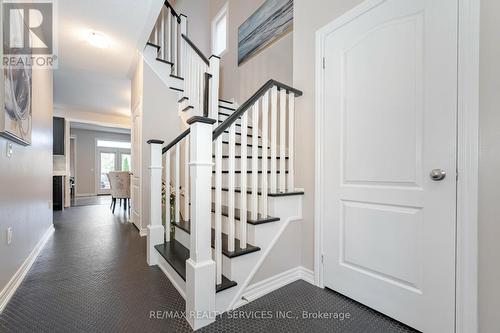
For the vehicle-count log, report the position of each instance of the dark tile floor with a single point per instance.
(96, 200)
(92, 276)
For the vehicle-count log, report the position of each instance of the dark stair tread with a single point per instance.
(226, 108)
(250, 156)
(153, 45)
(237, 125)
(237, 250)
(260, 219)
(176, 255)
(259, 192)
(239, 144)
(225, 101)
(249, 135)
(165, 61)
(249, 171)
(185, 226)
(177, 77)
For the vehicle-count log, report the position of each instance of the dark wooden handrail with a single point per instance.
(206, 94)
(196, 49)
(176, 141)
(245, 106)
(172, 10)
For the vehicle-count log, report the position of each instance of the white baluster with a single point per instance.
(291, 131)
(177, 181)
(274, 130)
(218, 208)
(183, 31)
(265, 134)
(174, 48)
(255, 162)
(230, 192)
(282, 140)
(162, 33)
(243, 181)
(169, 35)
(214, 87)
(167, 196)
(186, 180)
(155, 33)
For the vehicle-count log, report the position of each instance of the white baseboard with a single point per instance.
(172, 275)
(273, 283)
(78, 195)
(15, 281)
(143, 232)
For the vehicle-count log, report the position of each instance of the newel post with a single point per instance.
(155, 227)
(182, 60)
(214, 86)
(200, 268)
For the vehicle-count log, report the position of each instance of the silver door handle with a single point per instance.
(437, 175)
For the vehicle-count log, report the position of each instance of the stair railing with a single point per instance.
(272, 102)
(167, 32)
(188, 62)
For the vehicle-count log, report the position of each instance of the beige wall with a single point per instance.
(489, 169)
(323, 12)
(274, 62)
(160, 120)
(196, 12)
(86, 167)
(26, 183)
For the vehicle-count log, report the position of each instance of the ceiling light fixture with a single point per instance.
(98, 39)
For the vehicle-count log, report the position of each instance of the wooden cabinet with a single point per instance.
(58, 192)
(58, 145)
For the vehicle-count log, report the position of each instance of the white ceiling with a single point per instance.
(97, 128)
(94, 79)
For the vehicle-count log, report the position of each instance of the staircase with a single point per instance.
(230, 176)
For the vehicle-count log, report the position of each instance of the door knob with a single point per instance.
(437, 175)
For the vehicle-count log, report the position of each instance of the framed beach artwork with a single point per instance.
(15, 96)
(270, 21)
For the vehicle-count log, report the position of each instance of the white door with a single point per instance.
(106, 162)
(135, 216)
(389, 96)
(110, 159)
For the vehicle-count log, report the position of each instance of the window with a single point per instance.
(219, 32)
(113, 144)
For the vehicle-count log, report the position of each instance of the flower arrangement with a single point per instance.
(171, 206)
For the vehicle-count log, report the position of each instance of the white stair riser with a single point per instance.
(225, 150)
(225, 138)
(182, 237)
(237, 199)
(251, 229)
(249, 180)
(225, 163)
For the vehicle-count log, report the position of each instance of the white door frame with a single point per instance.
(466, 309)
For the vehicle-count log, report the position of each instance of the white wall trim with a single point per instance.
(466, 316)
(8, 291)
(143, 232)
(273, 283)
(85, 195)
(266, 252)
(172, 275)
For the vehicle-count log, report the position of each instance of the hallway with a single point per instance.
(92, 276)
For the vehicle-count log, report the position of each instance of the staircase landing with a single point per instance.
(176, 255)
